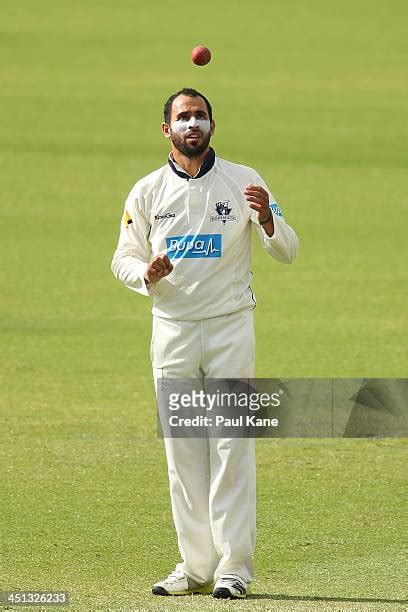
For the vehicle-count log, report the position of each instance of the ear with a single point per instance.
(212, 127)
(166, 130)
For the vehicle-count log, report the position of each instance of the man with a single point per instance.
(185, 239)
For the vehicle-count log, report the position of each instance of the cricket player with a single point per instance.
(185, 240)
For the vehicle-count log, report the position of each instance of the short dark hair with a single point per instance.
(186, 91)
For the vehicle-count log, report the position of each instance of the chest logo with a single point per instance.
(194, 246)
(223, 211)
(165, 216)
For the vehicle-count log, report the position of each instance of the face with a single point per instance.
(190, 129)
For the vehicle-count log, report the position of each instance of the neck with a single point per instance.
(190, 164)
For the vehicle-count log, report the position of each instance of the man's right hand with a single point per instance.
(157, 269)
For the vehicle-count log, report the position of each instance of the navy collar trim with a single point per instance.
(206, 166)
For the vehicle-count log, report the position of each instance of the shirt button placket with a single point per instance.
(194, 202)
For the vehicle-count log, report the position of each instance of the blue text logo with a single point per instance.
(199, 245)
(276, 209)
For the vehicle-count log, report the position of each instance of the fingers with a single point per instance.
(166, 260)
(258, 207)
(159, 267)
(258, 199)
(257, 195)
(256, 190)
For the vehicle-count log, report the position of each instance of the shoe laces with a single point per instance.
(232, 578)
(175, 576)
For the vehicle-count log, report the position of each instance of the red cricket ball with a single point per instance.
(201, 55)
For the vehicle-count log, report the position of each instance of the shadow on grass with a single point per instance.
(323, 598)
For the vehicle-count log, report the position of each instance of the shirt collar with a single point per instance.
(205, 167)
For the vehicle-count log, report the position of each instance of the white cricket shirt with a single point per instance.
(204, 225)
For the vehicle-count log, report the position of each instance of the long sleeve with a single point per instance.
(284, 243)
(133, 252)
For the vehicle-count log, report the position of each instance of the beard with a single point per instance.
(190, 149)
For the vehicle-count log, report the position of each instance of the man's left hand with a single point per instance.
(258, 199)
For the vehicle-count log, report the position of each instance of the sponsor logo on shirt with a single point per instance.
(194, 246)
(223, 212)
(276, 209)
(165, 216)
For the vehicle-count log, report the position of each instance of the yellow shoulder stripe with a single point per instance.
(127, 219)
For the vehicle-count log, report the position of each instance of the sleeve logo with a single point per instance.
(276, 209)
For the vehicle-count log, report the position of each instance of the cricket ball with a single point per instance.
(201, 55)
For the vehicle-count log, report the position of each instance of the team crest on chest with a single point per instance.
(223, 211)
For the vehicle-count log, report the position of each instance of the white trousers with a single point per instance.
(212, 480)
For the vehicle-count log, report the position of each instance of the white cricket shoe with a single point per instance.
(230, 586)
(177, 583)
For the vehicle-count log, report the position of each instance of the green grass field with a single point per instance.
(313, 95)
